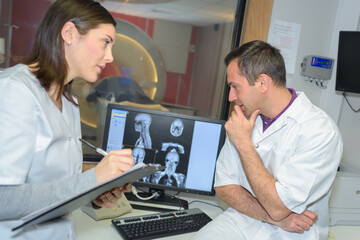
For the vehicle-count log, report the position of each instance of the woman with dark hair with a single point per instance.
(41, 155)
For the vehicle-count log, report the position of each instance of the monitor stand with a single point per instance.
(160, 203)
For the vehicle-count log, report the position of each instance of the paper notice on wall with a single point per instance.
(285, 36)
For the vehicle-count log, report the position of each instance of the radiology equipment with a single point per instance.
(188, 147)
(137, 76)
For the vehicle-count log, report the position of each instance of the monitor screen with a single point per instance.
(188, 146)
(348, 71)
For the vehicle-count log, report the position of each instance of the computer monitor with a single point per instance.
(348, 71)
(188, 146)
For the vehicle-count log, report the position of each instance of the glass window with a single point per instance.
(168, 56)
(5, 32)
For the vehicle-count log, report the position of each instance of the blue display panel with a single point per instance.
(116, 130)
(321, 62)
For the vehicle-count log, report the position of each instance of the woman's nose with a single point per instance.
(109, 57)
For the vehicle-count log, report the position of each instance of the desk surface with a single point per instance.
(87, 228)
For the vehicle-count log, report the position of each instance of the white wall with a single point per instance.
(317, 20)
(321, 21)
(347, 18)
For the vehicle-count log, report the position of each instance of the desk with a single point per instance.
(87, 228)
(344, 233)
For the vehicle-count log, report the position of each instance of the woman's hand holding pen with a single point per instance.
(113, 164)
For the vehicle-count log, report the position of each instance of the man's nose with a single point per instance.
(232, 95)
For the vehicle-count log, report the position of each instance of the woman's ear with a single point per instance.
(68, 32)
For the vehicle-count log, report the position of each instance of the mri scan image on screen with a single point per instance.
(188, 146)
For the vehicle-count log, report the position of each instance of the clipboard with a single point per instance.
(69, 205)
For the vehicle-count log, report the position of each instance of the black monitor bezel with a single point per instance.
(340, 84)
(169, 114)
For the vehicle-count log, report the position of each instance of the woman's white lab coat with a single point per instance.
(38, 143)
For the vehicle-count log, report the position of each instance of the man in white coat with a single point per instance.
(280, 157)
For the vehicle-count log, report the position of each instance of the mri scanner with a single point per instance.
(137, 60)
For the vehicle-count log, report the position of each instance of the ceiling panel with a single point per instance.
(195, 12)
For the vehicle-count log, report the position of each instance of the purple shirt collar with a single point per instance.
(267, 121)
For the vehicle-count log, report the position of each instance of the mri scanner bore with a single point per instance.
(136, 77)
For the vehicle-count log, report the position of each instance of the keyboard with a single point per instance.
(162, 224)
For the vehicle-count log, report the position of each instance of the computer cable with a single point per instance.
(354, 110)
(135, 192)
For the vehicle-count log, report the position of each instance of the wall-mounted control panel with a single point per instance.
(317, 67)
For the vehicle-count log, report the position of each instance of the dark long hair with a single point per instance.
(48, 53)
(258, 57)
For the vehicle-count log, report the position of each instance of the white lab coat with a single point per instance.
(302, 151)
(38, 143)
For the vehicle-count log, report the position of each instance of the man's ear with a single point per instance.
(68, 32)
(264, 82)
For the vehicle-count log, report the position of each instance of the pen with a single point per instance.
(98, 150)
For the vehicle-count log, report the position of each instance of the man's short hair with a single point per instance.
(258, 57)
